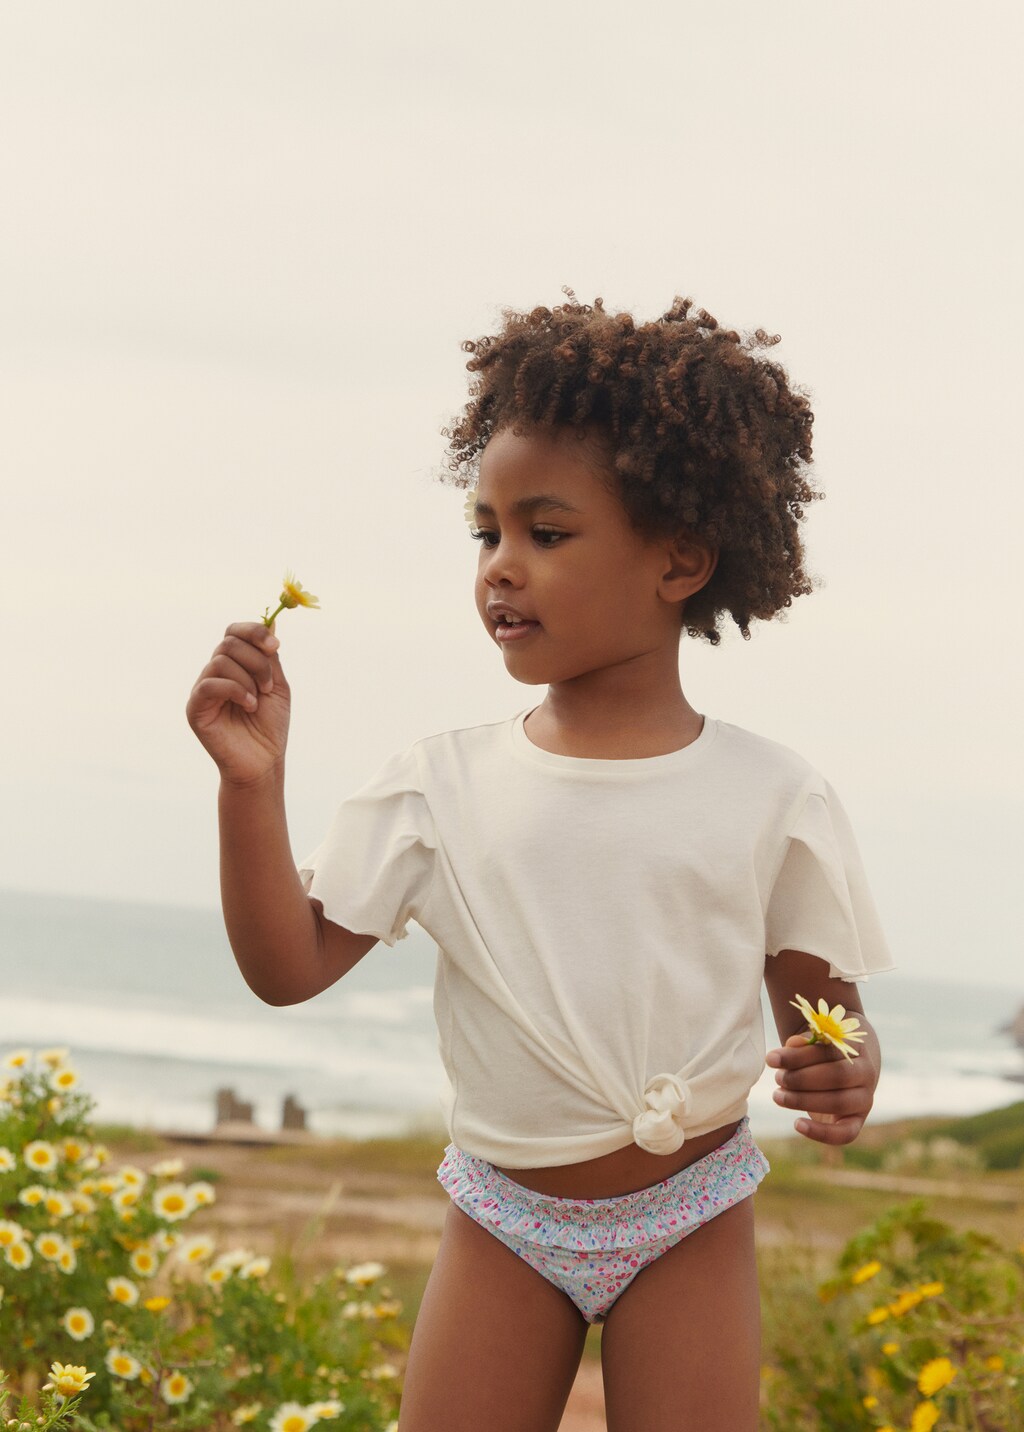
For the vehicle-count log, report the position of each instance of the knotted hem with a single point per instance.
(722, 1177)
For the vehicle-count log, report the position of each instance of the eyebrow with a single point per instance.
(546, 500)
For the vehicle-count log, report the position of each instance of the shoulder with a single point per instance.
(761, 763)
(487, 735)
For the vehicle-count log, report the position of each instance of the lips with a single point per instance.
(501, 612)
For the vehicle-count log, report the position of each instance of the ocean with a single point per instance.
(157, 1018)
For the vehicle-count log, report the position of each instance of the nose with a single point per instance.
(502, 564)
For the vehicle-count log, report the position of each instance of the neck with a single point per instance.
(622, 712)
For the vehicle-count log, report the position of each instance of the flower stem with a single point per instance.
(269, 621)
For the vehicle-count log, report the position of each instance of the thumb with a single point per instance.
(795, 1041)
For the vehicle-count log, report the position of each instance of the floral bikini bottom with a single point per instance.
(593, 1248)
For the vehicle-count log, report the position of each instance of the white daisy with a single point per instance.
(173, 1201)
(363, 1274)
(291, 1417)
(78, 1323)
(123, 1290)
(40, 1156)
(175, 1387)
(122, 1364)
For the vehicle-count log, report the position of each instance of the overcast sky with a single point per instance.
(242, 244)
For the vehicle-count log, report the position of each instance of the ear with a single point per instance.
(689, 564)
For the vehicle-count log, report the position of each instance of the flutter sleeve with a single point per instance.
(819, 901)
(373, 870)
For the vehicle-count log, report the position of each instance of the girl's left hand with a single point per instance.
(837, 1093)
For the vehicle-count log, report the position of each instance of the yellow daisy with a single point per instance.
(69, 1380)
(924, 1417)
(156, 1305)
(936, 1374)
(292, 595)
(868, 1271)
(829, 1026)
(78, 1323)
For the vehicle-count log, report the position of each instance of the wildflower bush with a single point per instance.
(921, 1327)
(113, 1316)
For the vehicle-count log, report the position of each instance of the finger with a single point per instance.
(255, 633)
(842, 1131)
(211, 694)
(841, 1102)
(829, 1074)
(802, 1056)
(252, 660)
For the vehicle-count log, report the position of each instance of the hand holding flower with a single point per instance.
(239, 706)
(819, 1072)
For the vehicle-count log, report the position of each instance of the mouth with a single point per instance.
(518, 630)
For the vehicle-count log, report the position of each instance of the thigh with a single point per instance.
(681, 1348)
(495, 1345)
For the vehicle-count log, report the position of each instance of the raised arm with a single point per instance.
(239, 709)
(837, 1093)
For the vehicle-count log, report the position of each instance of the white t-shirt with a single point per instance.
(601, 925)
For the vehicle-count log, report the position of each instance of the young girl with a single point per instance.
(608, 877)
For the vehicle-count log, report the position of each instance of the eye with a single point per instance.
(546, 536)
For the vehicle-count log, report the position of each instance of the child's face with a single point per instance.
(599, 594)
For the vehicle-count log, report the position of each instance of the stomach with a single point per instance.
(625, 1171)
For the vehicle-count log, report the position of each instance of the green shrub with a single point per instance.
(96, 1273)
(920, 1326)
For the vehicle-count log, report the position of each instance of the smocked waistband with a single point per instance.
(623, 1221)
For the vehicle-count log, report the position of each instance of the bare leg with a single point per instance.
(495, 1347)
(681, 1349)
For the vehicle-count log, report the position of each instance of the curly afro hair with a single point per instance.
(704, 436)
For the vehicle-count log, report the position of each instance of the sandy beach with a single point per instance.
(326, 1204)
